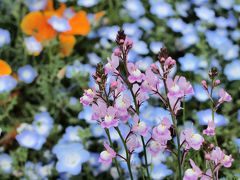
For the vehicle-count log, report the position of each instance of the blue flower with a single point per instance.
(161, 10)
(140, 47)
(226, 4)
(177, 25)
(27, 74)
(94, 59)
(206, 115)
(36, 5)
(145, 23)
(70, 157)
(156, 46)
(43, 123)
(5, 163)
(73, 101)
(132, 30)
(59, 24)
(199, 93)
(188, 39)
(33, 46)
(232, 70)
(134, 8)
(96, 130)
(199, 2)
(204, 13)
(44, 170)
(189, 62)
(4, 37)
(235, 35)
(30, 139)
(182, 8)
(87, 3)
(108, 32)
(86, 114)
(72, 134)
(237, 142)
(7, 83)
(160, 171)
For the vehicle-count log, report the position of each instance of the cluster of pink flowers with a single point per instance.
(121, 88)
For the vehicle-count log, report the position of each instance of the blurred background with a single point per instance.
(50, 48)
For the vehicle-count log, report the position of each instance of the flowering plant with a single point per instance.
(121, 89)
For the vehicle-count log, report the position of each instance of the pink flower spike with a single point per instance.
(224, 96)
(133, 142)
(161, 132)
(110, 119)
(192, 140)
(155, 147)
(135, 74)
(107, 155)
(210, 131)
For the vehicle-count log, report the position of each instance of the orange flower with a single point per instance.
(79, 24)
(35, 24)
(67, 43)
(5, 69)
(99, 15)
(58, 12)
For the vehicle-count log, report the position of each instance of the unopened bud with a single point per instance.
(154, 68)
(213, 73)
(217, 82)
(204, 84)
(207, 156)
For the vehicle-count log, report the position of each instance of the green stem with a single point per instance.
(145, 157)
(127, 155)
(176, 130)
(184, 111)
(114, 160)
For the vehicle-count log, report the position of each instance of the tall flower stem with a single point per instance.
(176, 130)
(127, 153)
(114, 160)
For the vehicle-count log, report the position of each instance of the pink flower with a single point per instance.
(99, 109)
(135, 74)
(155, 147)
(161, 132)
(151, 81)
(112, 64)
(107, 155)
(193, 173)
(218, 156)
(139, 127)
(133, 142)
(224, 96)
(207, 175)
(190, 139)
(88, 97)
(210, 131)
(122, 102)
(175, 104)
(110, 118)
(140, 93)
(179, 87)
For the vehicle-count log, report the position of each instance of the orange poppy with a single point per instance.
(58, 12)
(5, 69)
(35, 24)
(79, 24)
(99, 15)
(67, 43)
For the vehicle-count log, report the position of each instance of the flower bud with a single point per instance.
(213, 73)
(217, 82)
(204, 84)
(154, 68)
(207, 156)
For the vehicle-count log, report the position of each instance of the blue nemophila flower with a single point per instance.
(235, 35)
(177, 25)
(188, 40)
(70, 157)
(4, 37)
(206, 115)
(160, 171)
(72, 134)
(132, 30)
(36, 5)
(199, 93)
(145, 23)
(161, 9)
(232, 70)
(73, 101)
(7, 83)
(108, 32)
(59, 24)
(199, 2)
(226, 4)
(33, 46)
(43, 123)
(27, 74)
(44, 171)
(96, 130)
(134, 8)
(206, 14)
(94, 59)
(140, 47)
(237, 142)
(87, 3)
(189, 62)
(156, 46)
(86, 114)
(182, 8)
(5, 163)
(30, 139)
